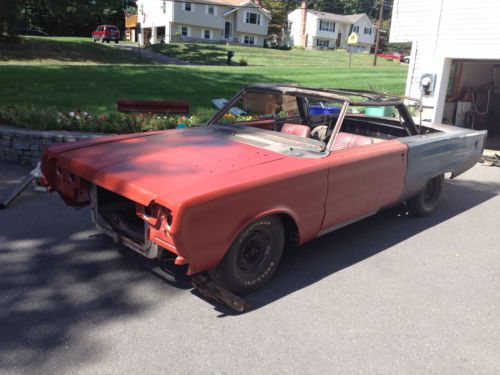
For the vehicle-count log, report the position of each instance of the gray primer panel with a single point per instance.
(452, 149)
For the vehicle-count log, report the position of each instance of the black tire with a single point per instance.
(252, 258)
(406, 61)
(107, 41)
(116, 42)
(427, 199)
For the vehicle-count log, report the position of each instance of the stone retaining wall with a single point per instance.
(26, 146)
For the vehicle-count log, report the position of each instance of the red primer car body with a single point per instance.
(196, 189)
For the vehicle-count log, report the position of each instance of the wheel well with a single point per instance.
(291, 230)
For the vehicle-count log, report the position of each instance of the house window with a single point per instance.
(184, 30)
(211, 10)
(164, 6)
(188, 6)
(289, 26)
(253, 18)
(355, 29)
(368, 30)
(249, 39)
(323, 43)
(326, 26)
(207, 34)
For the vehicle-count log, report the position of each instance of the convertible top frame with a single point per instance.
(344, 96)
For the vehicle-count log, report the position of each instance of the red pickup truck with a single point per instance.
(106, 33)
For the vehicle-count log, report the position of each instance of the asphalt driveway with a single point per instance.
(392, 294)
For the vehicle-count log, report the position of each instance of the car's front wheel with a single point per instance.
(427, 199)
(253, 257)
(406, 60)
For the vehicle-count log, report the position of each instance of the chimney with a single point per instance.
(257, 2)
(304, 23)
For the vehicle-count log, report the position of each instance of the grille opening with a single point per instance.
(119, 213)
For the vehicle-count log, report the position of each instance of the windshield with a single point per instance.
(288, 119)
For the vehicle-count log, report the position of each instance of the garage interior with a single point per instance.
(473, 97)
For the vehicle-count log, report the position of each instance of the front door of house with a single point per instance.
(339, 39)
(228, 30)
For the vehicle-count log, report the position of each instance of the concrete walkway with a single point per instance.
(149, 54)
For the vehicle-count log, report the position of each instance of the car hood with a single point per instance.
(142, 167)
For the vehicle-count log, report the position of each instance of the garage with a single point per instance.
(455, 61)
(472, 97)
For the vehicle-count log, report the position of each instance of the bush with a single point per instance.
(243, 62)
(50, 118)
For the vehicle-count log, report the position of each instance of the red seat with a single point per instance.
(298, 130)
(348, 140)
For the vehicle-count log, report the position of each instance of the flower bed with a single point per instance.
(26, 131)
(50, 118)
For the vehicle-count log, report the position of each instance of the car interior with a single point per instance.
(314, 119)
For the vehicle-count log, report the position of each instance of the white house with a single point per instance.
(455, 59)
(210, 21)
(329, 30)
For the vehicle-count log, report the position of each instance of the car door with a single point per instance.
(363, 179)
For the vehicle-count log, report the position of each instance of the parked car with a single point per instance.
(270, 170)
(106, 33)
(395, 56)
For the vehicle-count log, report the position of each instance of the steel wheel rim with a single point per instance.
(254, 251)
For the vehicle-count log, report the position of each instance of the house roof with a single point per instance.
(350, 19)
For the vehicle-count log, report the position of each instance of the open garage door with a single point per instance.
(473, 97)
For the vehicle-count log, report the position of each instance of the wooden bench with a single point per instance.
(152, 106)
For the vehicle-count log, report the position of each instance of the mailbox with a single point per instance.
(230, 55)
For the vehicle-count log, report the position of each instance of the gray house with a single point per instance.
(210, 21)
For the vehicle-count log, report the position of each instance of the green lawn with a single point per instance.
(216, 54)
(62, 50)
(95, 88)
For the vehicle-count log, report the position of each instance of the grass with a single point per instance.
(62, 50)
(216, 54)
(96, 88)
(55, 80)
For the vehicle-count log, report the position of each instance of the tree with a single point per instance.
(279, 12)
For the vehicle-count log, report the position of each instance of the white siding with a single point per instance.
(442, 30)
(366, 39)
(295, 18)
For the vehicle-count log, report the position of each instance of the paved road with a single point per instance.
(391, 294)
(150, 54)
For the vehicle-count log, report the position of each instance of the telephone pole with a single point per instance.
(379, 24)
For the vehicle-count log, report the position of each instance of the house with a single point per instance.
(455, 59)
(211, 21)
(314, 29)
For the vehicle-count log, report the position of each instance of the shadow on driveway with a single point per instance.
(57, 277)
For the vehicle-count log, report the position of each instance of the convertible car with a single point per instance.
(277, 166)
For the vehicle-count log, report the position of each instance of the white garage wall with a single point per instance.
(442, 30)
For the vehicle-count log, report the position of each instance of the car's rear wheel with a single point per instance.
(406, 61)
(116, 42)
(107, 41)
(253, 257)
(427, 199)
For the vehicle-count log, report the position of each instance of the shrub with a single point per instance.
(243, 62)
(50, 118)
